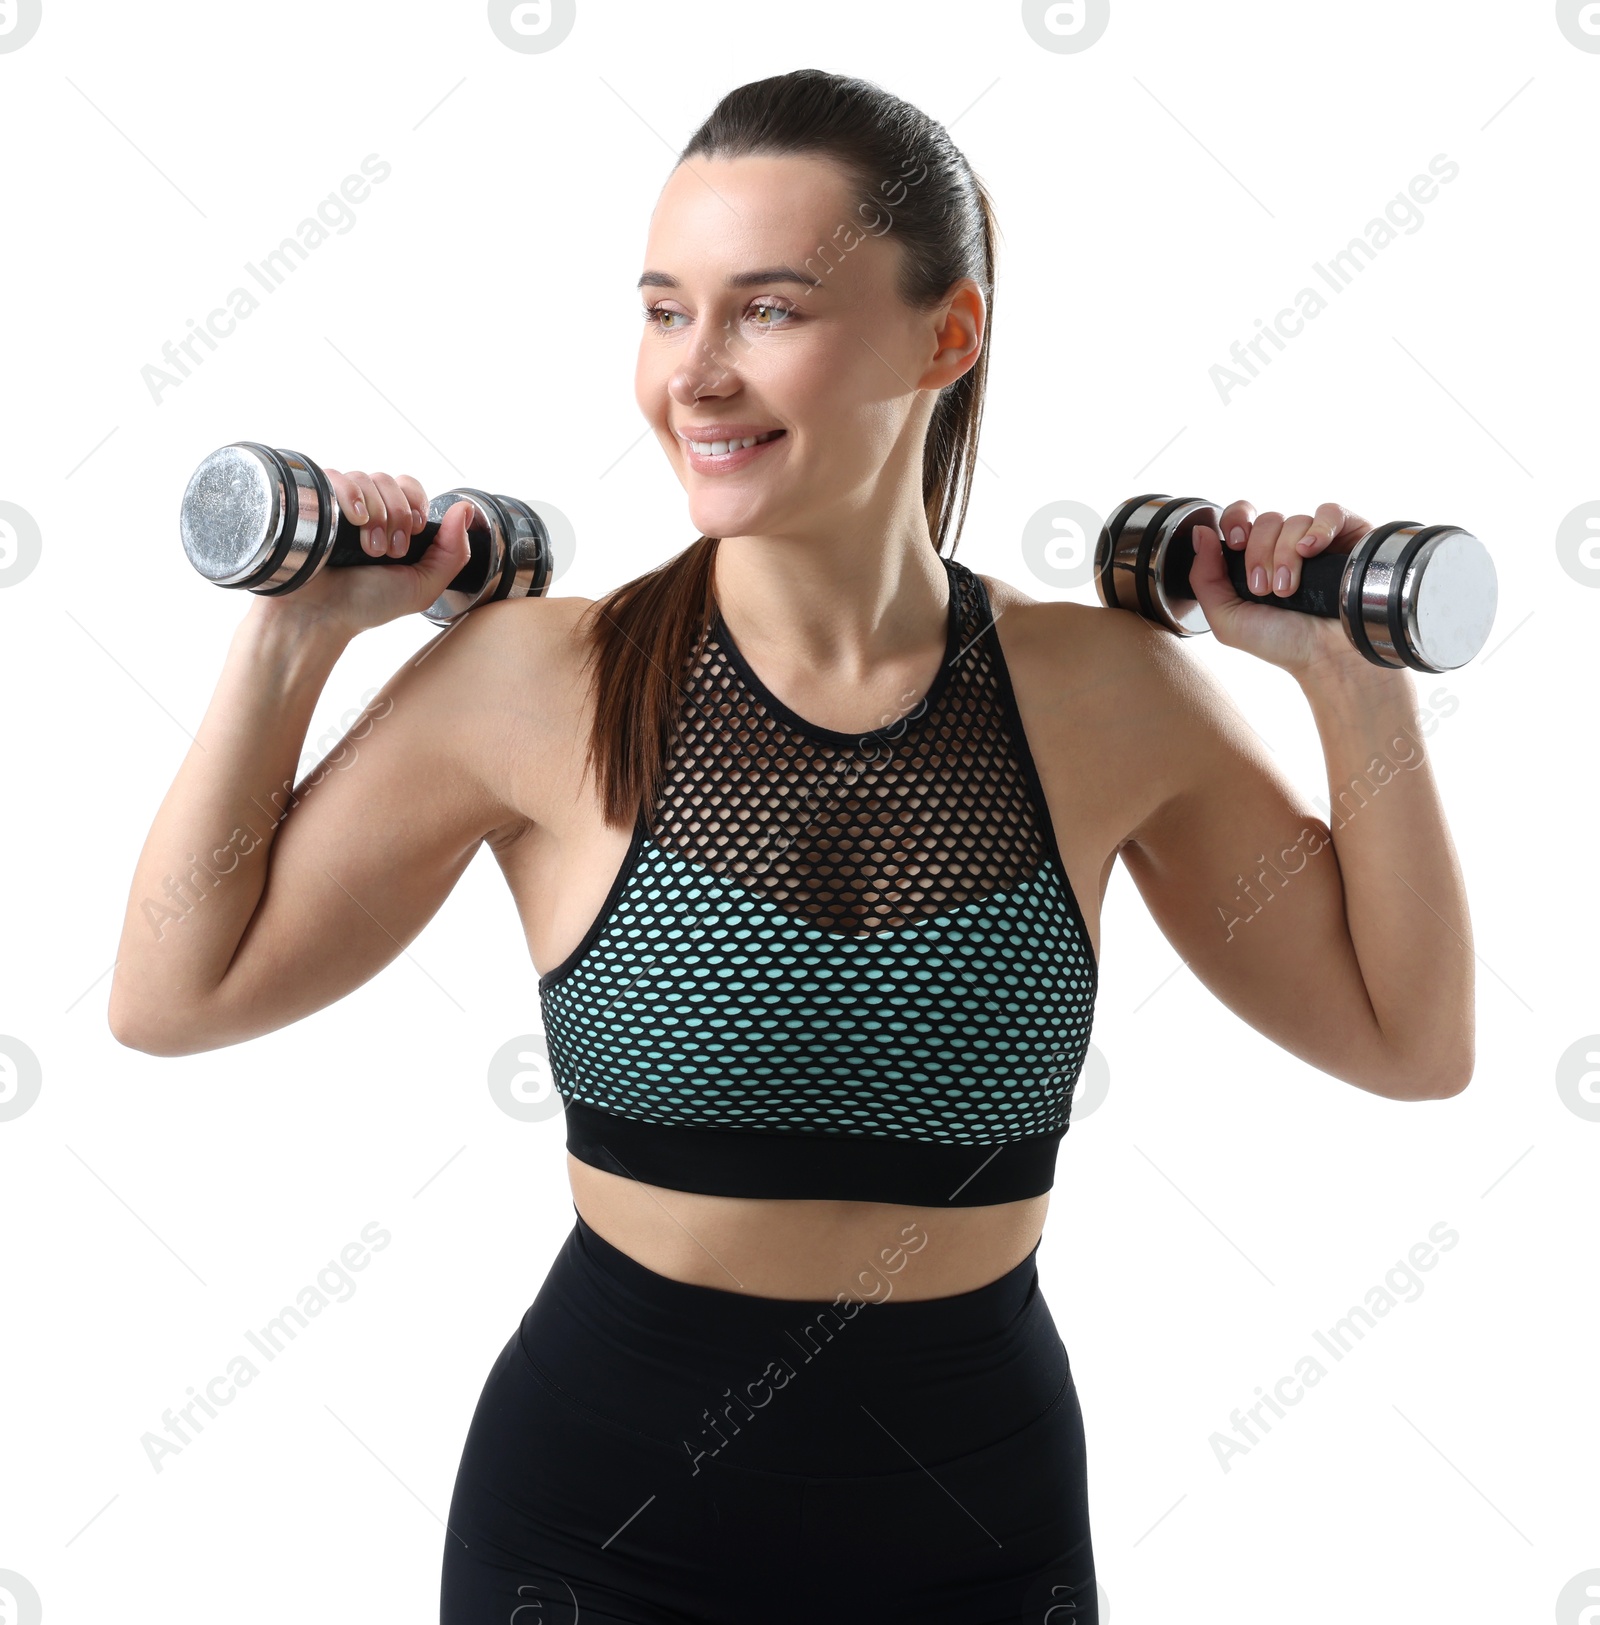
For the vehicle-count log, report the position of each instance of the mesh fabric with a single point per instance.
(834, 964)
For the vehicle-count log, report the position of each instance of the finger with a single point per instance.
(1235, 522)
(1258, 551)
(1284, 568)
(397, 506)
(417, 497)
(359, 509)
(375, 534)
(1333, 523)
(351, 503)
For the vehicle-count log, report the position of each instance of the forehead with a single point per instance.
(720, 215)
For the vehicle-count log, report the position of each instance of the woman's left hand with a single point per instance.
(1279, 547)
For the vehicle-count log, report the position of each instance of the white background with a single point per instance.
(1158, 193)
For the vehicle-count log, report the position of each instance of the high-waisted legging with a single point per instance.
(649, 1451)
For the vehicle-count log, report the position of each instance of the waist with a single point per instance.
(879, 1264)
(654, 1356)
(808, 1249)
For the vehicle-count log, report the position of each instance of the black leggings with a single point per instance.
(646, 1450)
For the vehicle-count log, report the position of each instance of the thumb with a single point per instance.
(1209, 580)
(451, 548)
(1208, 575)
(469, 517)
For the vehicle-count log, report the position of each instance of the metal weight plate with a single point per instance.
(310, 523)
(530, 554)
(1148, 538)
(255, 517)
(1170, 561)
(1111, 569)
(1448, 600)
(232, 514)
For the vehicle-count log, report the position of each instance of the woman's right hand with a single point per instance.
(390, 509)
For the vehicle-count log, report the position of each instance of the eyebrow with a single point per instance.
(740, 279)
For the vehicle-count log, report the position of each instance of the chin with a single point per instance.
(726, 518)
(712, 524)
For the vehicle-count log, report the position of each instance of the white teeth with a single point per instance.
(720, 448)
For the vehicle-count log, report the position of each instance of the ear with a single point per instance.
(959, 328)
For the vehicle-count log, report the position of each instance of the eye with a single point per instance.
(654, 315)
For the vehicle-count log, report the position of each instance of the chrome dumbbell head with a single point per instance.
(256, 518)
(1423, 597)
(1134, 558)
(516, 563)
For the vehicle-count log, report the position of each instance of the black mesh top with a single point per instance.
(834, 965)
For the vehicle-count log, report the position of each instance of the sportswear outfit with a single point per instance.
(831, 965)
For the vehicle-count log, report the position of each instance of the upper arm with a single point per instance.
(1240, 875)
(380, 831)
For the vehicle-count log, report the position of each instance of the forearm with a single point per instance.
(203, 866)
(1405, 902)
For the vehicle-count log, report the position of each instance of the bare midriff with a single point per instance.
(786, 1248)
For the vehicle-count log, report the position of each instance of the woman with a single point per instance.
(817, 909)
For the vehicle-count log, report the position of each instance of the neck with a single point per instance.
(838, 613)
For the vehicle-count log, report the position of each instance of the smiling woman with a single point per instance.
(817, 1012)
(809, 830)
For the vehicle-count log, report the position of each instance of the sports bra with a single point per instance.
(833, 965)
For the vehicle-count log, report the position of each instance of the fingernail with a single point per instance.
(1306, 543)
(1258, 580)
(1282, 583)
(361, 510)
(1236, 537)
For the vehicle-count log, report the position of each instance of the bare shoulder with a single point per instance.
(534, 636)
(511, 673)
(513, 663)
(1115, 705)
(1075, 644)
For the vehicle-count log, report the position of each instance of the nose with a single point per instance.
(705, 369)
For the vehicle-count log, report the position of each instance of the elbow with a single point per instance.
(1452, 1083)
(125, 1027)
(131, 1035)
(1452, 1079)
(1415, 1083)
(138, 1030)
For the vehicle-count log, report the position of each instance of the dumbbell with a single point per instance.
(1406, 594)
(267, 520)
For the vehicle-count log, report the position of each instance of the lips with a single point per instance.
(710, 434)
(735, 456)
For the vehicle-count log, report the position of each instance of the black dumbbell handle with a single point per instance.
(347, 548)
(1317, 594)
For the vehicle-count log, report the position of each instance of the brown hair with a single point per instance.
(910, 178)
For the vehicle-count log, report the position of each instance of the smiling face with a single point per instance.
(829, 356)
